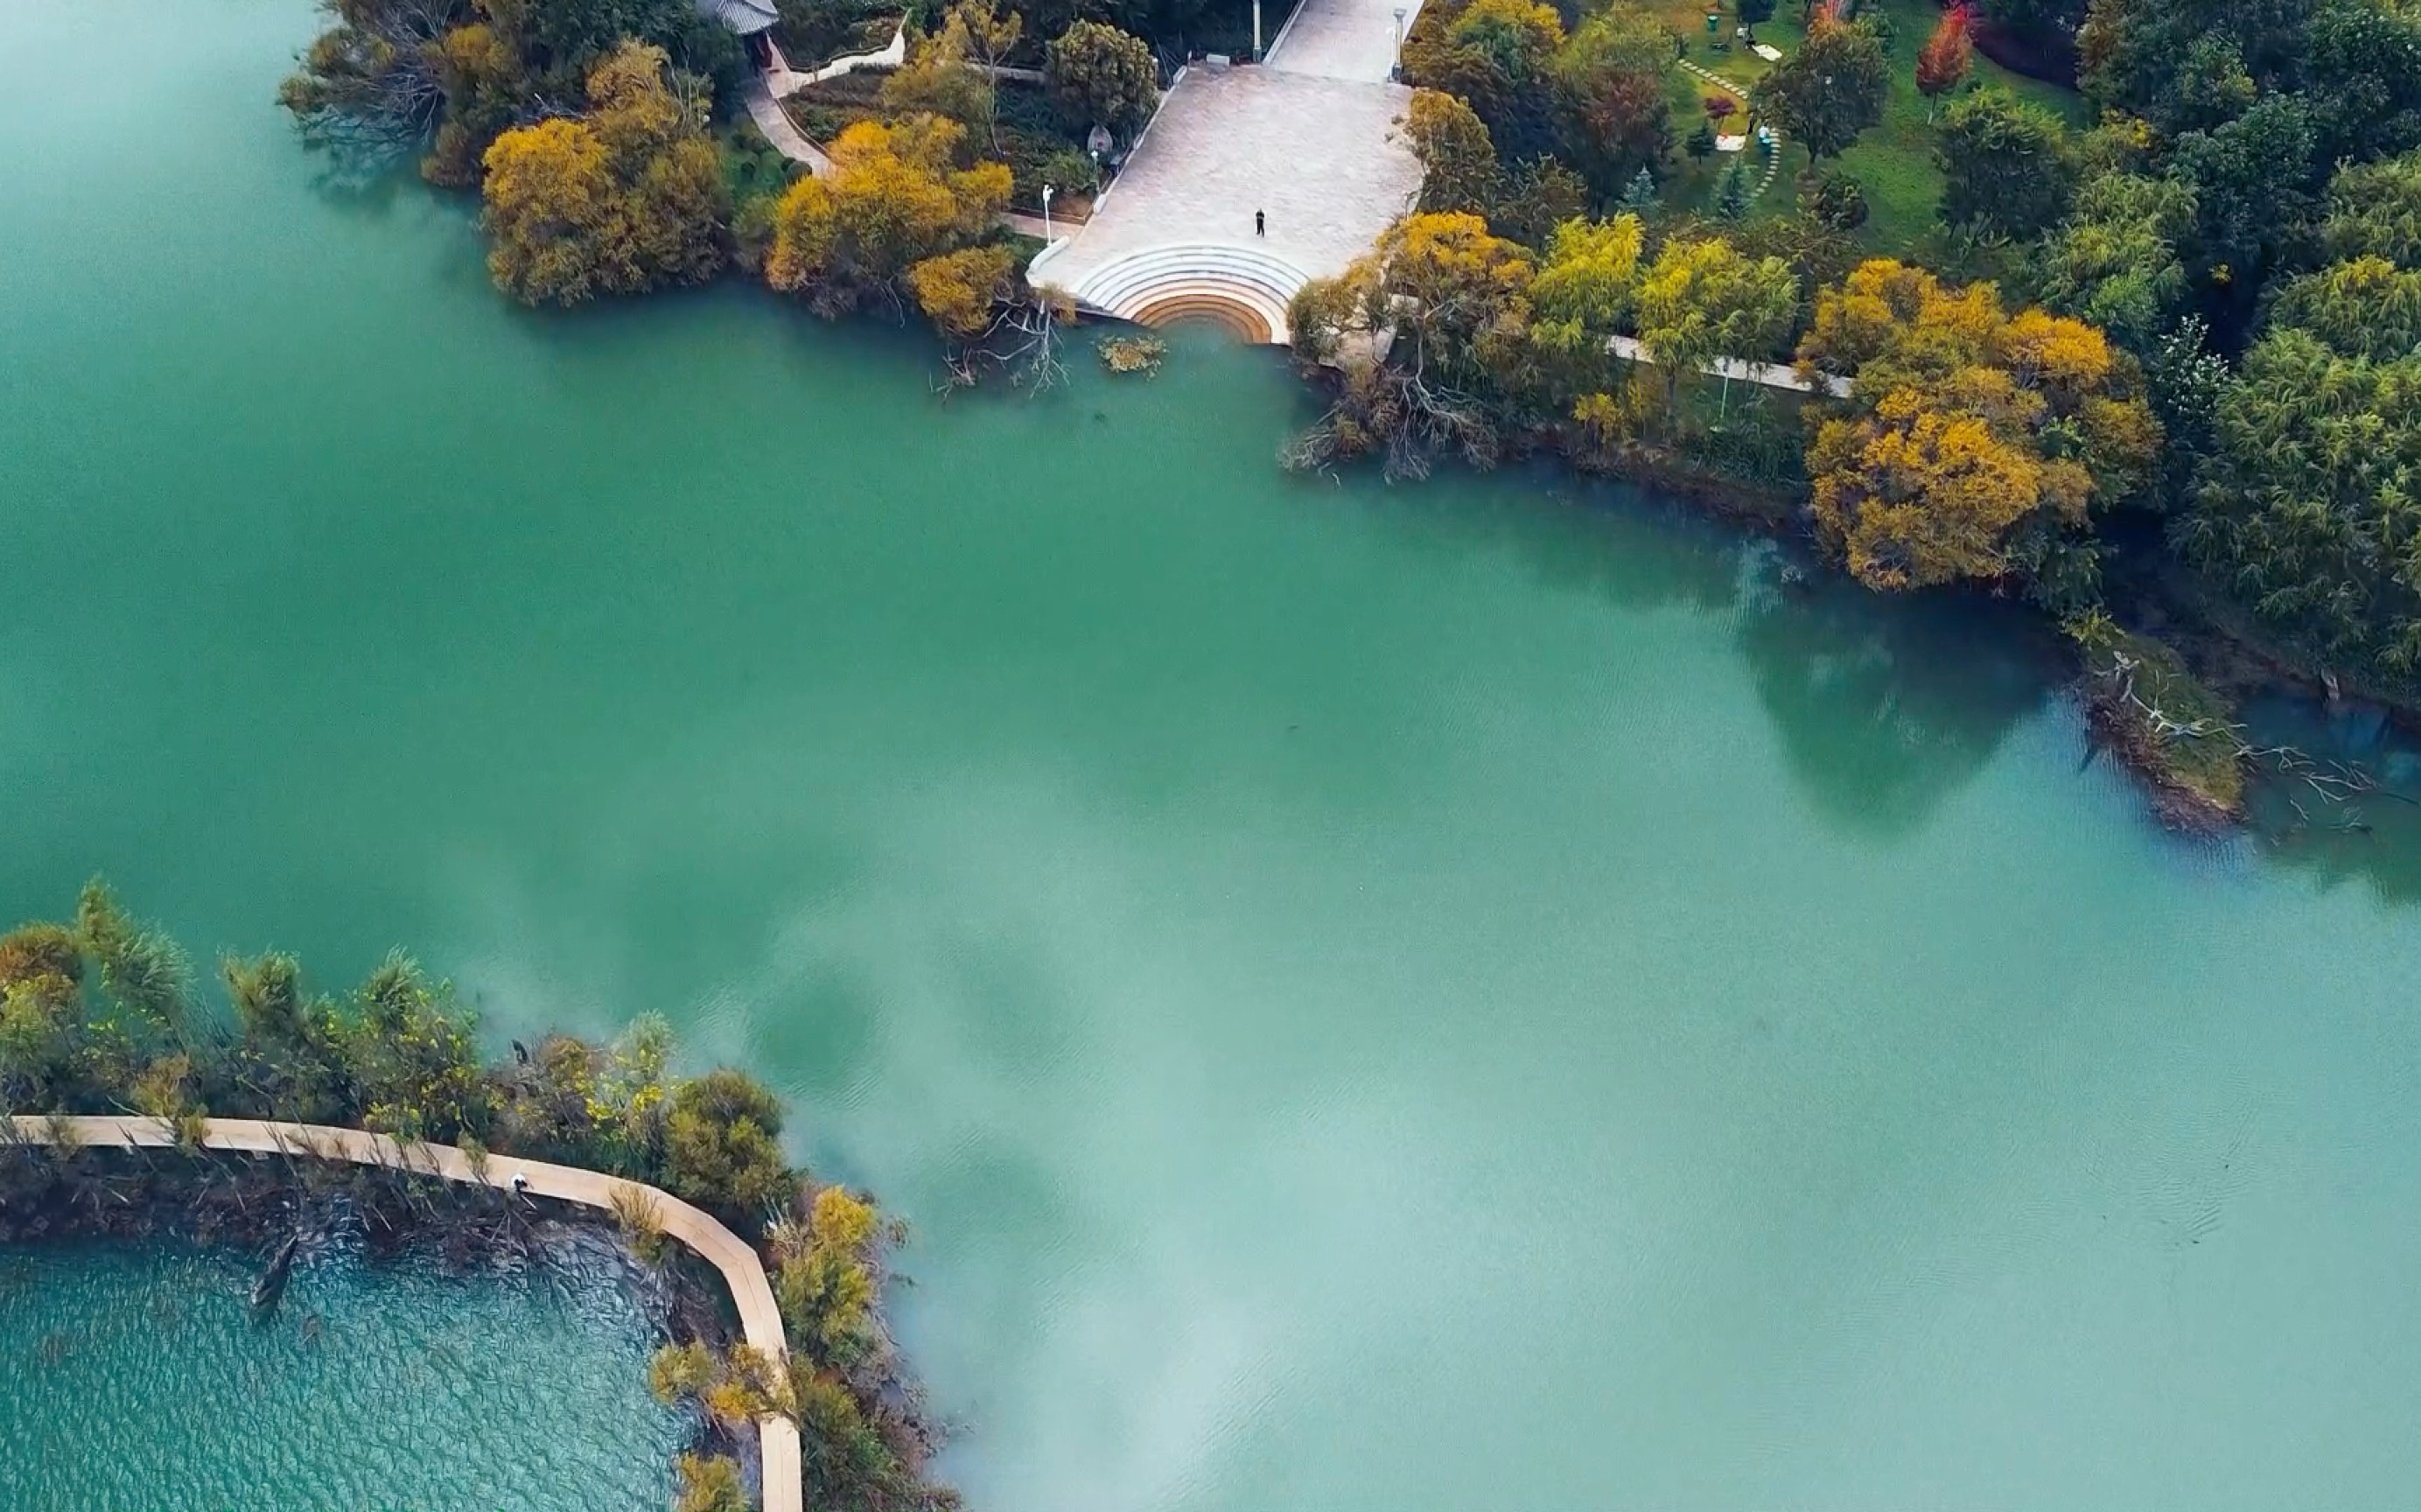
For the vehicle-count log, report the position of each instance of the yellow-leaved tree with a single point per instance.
(897, 197)
(1975, 441)
(626, 199)
(1704, 299)
(1453, 298)
(959, 290)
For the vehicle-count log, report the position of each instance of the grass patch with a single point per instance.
(1893, 161)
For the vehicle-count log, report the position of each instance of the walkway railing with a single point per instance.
(760, 1322)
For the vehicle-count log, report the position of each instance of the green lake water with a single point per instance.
(138, 1380)
(1422, 999)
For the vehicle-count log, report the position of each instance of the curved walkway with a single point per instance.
(782, 80)
(775, 123)
(1773, 159)
(760, 1322)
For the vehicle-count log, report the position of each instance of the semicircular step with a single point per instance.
(1245, 288)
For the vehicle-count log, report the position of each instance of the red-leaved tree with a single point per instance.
(1946, 55)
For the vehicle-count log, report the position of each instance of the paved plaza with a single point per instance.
(1342, 40)
(1309, 140)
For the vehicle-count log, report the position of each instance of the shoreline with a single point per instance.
(599, 1198)
(110, 1012)
(2231, 663)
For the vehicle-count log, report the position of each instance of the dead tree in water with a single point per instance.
(1024, 339)
(2334, 782)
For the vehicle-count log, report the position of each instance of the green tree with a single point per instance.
(1731, 193)
(2036, 21)
(1753, 14)
(720, 1149)
(2374, 210)
(1538, 196)
(2307, 508)
(41, 1014)
(1101, 76)
(2115, 263)
(549, 1107)
(2361, 68)
(1614, 112)
(983, 35)
(1640, 198)
(1830, 91)
(1459, 169)
(142, 969)
(1838, 201)
(1701, 299)
(1515, 37)
(2006, 164)
(1493, 54)
(2304, 496)
(711, 1484)
(2255, 183)
(286, 1056)
(412, 1056)
(1582, 292)
(681, 1373)
(2186, 66)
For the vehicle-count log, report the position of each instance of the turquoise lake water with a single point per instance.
(141, 1381)
(1420, 998)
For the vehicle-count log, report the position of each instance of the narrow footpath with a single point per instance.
(760, 1322)
(775, 123)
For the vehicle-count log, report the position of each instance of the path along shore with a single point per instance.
(760, 1322)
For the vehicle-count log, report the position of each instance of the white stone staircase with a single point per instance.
(1245, 288)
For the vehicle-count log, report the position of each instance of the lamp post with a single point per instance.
(1047, 193)
(1396, 73)
(1256, 30)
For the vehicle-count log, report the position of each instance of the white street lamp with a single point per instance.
(1047, 193)
(1398, 72)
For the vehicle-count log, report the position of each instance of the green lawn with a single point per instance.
(1695, 180)
(1893, 161)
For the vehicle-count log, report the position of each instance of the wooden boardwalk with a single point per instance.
(760, 1322)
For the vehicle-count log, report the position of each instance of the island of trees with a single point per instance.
(2110, 305)
(99, 1014)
